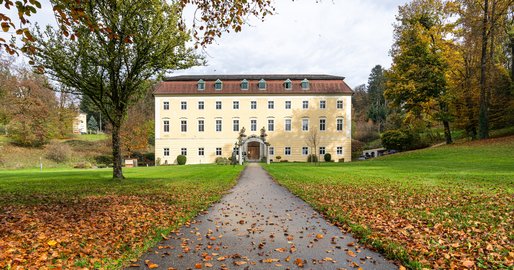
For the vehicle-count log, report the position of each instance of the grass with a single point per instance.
(92, 137)
(70, 218)
(450, 206)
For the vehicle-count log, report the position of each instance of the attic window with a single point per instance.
(288, 85)
(218, 85)
(201, 85)
(305, 84)
(262, 84)
(244, 84)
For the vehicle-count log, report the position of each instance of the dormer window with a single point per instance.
(218, 85)
(201, 85)
(262, 84)
(305, 84)
(244, 84)
(288, 85)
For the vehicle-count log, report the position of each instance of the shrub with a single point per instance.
(327, 157)
(396, 139)
(221, 161)
(341, 160)
(312, 158)
(103, 159)
(278, 158)
(58, 152)
(82, 165)
(285, 160)
(101, 166)
(181, 160)
(158, 161)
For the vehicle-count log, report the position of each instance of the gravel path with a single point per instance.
(260, 225)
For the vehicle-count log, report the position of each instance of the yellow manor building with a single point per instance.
(252, 118)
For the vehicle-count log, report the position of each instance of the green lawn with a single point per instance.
(83, 218)
(451, 206)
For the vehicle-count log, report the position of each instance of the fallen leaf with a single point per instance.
(52, 243)
(319, 236)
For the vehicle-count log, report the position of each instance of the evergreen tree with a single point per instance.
(377, 110)
(92, 125)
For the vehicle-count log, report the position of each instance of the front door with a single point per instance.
(254, 150)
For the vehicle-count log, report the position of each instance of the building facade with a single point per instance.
(258, 117)
(80, 123)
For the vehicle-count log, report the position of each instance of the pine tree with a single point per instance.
(92, 125)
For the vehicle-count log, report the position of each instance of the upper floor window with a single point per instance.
(288, 104)
(166, 125)
(271, 104)
(235, 125)
(322, 104)
(305, 124)
(166, 105)
(305, 84)
(322, 124)
(235, 105)
(244, 84)
(201, 105)
(201, 125)
(253, 125)
(288, 85)
(339, 124)
(218, 85)
(271, 125)
(253, 105)
(305, 104)
(339, 104)
(218, 105)
(262, 84)
(201, 85)
(183, 125)
(183, 105)
(288, 125)
(218, 125)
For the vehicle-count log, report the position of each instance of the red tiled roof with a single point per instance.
(187, 85)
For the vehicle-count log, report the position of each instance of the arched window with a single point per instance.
(218, 85)
(305, 84)
(201, 85)
(244, 84)
(262, 84)
(288, 85)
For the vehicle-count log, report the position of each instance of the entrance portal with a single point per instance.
(254, 151)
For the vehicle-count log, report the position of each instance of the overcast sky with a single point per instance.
(338, 37)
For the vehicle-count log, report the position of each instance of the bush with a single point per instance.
(402, 140)
(357, 147)
(312, 158)
(222, 161)
(181, 160)
(278, 158)
(82, 165)
(101, 166)
(341, 160)
(58, 152)
(327, 157)
(285, 160)
(104, 159)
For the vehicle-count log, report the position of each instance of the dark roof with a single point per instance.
(236, 77)
(318, 84)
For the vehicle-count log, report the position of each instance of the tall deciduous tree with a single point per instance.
(121, 45)
(416, 81)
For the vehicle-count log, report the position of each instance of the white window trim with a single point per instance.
(218, 81)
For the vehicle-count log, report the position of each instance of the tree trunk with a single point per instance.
(117, 172)
(447, 132)
(483, 115)
(512, 58)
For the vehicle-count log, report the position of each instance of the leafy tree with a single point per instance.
(112, 67)
(92, 125)
(377, 110)
(416, 81)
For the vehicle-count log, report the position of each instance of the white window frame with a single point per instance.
(287, 104)
(216, 83)
(183, 151)
(235, 105)
(339, 104)
(166, 105)
(261, 83)
(288, 127)
(339, 126)
(305, 104)
(339, 151)
(322, 150)
(200, 85)
(322, 104)
(201, 105)
(306, 85)
(201, 125)
(288, 84)
(271, 104)
(322, 124)
(305, 124)
(253, 105)
(219, 105)
(287, 151)
(235, 125)
(219, 151)
(253, 124)
(201, 151)
(305, 151)
(166, 126)
(183, 125)
(271, 124)
(246, 85)
(166, 152)
(219, 125)
(271, 150)
(183, 105)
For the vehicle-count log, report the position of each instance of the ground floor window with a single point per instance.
(218, 151)
(201, 151)
(166, 152)
(322, 150)
(305, 150)
(287, 151)
(339, 150)
(272, 151)
(183, 151)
